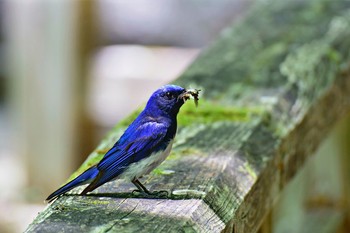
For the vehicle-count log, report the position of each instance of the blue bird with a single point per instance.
(143, 146)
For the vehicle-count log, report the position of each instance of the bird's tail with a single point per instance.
(84, 178)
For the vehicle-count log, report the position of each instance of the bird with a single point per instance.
(143, 146)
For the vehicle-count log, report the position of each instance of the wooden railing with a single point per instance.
(273, 86)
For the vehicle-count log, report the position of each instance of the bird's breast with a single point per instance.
(146, 165)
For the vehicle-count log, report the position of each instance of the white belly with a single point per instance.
(145, 166)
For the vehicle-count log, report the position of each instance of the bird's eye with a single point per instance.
(169, 95)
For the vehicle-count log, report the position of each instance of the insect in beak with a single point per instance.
(190, 92)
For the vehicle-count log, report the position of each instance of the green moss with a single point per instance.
(209, 112)
(96, 201)
(160, 171)
(249, 169)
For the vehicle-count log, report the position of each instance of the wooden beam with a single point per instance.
(273, 86)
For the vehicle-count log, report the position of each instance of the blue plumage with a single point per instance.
(143, 146)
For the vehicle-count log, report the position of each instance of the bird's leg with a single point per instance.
(143, 190)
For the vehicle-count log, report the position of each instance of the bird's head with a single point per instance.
(168, 99)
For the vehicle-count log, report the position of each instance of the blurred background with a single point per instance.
(70, 70)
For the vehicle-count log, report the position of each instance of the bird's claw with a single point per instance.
(161, 194)
(155, 194)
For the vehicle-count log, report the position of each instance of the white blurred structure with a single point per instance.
(185, 23)
(41, 56)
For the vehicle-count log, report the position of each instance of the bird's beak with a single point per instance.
(186, 95)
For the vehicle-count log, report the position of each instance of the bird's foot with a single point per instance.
(162, 194)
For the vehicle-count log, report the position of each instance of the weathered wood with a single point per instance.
(343, 135)
(273, 86)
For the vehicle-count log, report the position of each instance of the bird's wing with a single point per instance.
(133, 146)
